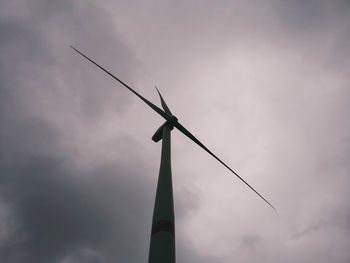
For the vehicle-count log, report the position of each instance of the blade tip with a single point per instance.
(76, 50)
(274, 208)
(157, 89)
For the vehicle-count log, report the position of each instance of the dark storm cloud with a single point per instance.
(53, 208)
(56, 210)
(63, 201)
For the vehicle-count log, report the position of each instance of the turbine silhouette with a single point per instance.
(162, 245)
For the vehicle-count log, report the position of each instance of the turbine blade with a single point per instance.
(165, 107)
(154, 107)
(191, 136)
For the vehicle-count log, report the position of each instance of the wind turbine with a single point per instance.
(162, 245)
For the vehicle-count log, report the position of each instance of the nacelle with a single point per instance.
(158, 135)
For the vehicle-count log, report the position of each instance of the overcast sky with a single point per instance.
(264, 84)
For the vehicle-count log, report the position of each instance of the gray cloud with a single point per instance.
(77, 165)
(56, 208)
(62, 201)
